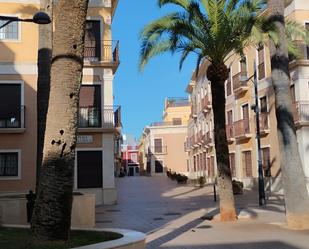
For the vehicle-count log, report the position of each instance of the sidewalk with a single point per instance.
(170, 215)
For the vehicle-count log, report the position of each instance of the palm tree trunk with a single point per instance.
(294, 182)
(43, 82)
(52, 213)
(217, 74)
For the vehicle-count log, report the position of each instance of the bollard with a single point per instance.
(30, 204)
(215, 193)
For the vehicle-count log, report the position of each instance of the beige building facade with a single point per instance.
(241, 118)
(161, 144)
(99, 120)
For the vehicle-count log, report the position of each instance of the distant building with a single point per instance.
(161, 145)
(130, 162)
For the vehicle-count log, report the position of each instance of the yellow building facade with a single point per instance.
(99, 119)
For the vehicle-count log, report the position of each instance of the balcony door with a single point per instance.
(245, 116)
(10, 105)
(90, 106)
(93, 41)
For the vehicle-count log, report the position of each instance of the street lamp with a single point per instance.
(38, 18)
(256, 109)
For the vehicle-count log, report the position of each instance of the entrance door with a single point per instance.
(89, 169)
(158, 166)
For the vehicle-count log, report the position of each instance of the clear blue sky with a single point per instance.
(141, 94)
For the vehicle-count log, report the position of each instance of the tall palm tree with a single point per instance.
(213, 30)
(294, 182)
(52, 212)
(43, 82)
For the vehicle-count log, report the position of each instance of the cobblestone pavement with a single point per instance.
(170, 215)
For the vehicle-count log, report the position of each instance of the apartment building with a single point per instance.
(240, 116)
(99, 129)
(161, 147)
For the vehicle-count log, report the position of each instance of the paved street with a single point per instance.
(170, 215)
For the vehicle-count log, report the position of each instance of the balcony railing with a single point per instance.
(166, 123)
(209, 139)
(230, 131)
(264, 122)
(206, 105)
(96, 117)
(303, 50)
(13, 120)
(107, 51)
(242, 128)
(301, 111)
(239, 85)
(158, 150)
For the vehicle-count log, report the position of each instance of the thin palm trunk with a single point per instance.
(43, 82)
(52, 213)
(294, 182)
(227, 203)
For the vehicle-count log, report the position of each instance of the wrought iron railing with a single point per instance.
(15, 119)
(242, 127)
(301, 111)
(96, 117)
(229, 131)
(106, 51)
(237, 82)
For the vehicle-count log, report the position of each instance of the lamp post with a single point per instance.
(38, 18)
(256, 109)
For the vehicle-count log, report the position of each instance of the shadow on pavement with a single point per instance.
(251, 245)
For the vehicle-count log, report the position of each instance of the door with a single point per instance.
(89, 169)
(245, 115)
(158, 166)
(93, 41)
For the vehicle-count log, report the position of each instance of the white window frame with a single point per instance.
(18, 177)
(18, 26)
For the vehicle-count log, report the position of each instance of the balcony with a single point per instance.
(209, 142)
(96, 119)
(264, 127)
(206, 105)
(166, 123)
(13, 122)
(187, 145)
(239, 85)
(158, 150)
(301, 113)
(104, 54)
(230, 134)
(242, 129)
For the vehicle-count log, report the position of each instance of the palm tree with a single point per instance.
(52, 212)
(213, 30)
(43, 82)
(294, 182)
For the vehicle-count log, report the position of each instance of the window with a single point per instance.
(11, 111)
(134, 157)
(232, 164)
(158, 145)
(229, 83)
(89, 169)
(245, 116)
(247, 164)
(92, 41)
(292, 90)
(9, 32)
(243, 67)
(90, 106)
(177, 121)
(263, 103)
(307, 47)
(9, 164)
(266, 161)
(261, 63)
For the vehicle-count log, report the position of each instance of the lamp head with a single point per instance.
(41, 18)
